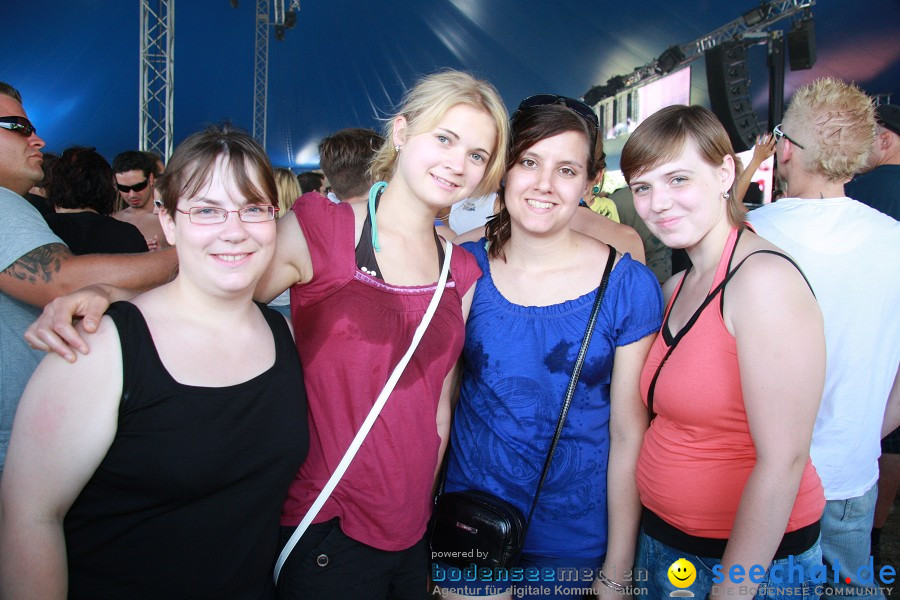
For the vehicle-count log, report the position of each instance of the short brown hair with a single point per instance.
(8, 90)
(835, 122)
(530, 126)
(345, 156)
(424, 105)
(661, 138)
(192, 164)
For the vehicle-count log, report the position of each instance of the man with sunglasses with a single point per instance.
(135, 178)
(35, 265)
(850, 253)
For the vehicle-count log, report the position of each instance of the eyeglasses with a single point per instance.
(210, 215)
(136, 187)
(20, 125)
(578, 106)
(778, 133)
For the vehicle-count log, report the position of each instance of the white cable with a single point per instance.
(370, 419)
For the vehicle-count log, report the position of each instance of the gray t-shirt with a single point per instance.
(24, 229)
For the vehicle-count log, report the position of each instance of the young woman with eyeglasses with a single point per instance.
(525, 328)
(156, 466)
(361, 277)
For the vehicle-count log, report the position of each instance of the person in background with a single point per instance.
(528, 318)
(311, 181)
(762, 149)
(732, 382)
(851, 254)
(83, 195)
(164, 467)
(877, 183)
(35, 265)
(37, 196)
(345, 157)
(288, 192)
(135, 179)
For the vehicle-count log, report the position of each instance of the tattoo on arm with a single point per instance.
(39, 265)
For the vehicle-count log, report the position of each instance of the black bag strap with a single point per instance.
(573, 381)
(709, 298)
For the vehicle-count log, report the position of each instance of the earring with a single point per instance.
(397, 148)
(726, 195)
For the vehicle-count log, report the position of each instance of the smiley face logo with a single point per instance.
(682, 573)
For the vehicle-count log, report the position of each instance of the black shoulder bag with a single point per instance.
(477, 527)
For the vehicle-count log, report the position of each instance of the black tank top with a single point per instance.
(187, 501)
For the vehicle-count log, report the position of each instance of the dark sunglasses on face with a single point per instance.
(136, 187)
(20, 125)
(578, 106)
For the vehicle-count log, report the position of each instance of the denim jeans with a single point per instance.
(654, 559)
(846, 542)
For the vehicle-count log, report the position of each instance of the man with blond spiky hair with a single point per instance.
(851, 255)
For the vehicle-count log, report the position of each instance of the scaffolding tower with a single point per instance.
(281, 20)
(157, 76)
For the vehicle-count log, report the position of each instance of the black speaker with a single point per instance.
(802, 45)
(729, 93)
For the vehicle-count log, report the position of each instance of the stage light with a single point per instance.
(279, 33)
(756, 16)
(669, 59)
(290, 19)
(234, 3)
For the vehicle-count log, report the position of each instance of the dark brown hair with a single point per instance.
(192, 165)
(81, 178)
(345, 156)
(530, 126)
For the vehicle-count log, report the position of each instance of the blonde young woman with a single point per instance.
(361, 277)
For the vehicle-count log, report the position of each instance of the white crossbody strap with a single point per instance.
(370, 419)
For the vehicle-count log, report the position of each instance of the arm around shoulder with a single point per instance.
(65, 423)
(50, 271)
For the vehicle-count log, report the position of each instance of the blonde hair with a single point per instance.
(425, 105)
(835, 123)
(661, 138)
(288, 190)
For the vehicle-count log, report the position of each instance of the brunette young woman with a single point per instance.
(361, 277)
(156, 466)
(528, 318)
(734, 380)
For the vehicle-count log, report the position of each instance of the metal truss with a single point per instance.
(281, 19)
(261, 71)
(770, 13)
(157, 76)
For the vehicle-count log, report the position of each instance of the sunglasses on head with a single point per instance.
(20, 125)
(582, 109)
(136, 187)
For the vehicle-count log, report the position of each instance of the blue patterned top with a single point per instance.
(517, 364)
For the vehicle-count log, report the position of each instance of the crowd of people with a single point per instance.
(204, 428)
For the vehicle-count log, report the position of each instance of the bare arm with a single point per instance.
(291, 263)
(622, 237)
(781, 355)
(450, 392)
(764, 148)
(58, 440)
(52, 270)
(627, 424)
